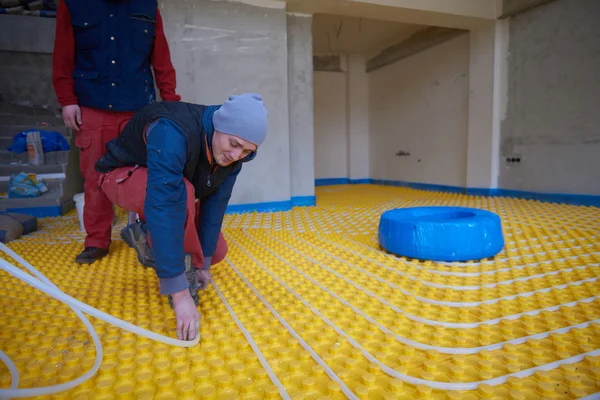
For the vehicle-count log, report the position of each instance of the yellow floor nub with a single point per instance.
(307, 306)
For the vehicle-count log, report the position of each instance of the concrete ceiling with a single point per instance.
(486, 9)
(353, 35)
(414, 11)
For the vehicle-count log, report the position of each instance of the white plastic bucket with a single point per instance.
(79, 200)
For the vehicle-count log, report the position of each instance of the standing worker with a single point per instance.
(175, 164)
(104, 54)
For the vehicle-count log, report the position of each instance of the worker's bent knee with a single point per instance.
(221, 251)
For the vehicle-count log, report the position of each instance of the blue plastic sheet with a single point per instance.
(51, 141)
(441, 233)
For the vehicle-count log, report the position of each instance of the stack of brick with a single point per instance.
(13, 225)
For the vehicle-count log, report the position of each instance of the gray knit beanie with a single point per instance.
(244, 116)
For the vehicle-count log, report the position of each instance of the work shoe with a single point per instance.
(135, 236)
(190, 273)
(90, 254)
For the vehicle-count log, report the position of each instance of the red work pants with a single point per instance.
(97, 128)
(126, 187)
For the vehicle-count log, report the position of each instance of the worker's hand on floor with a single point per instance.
(186, 314)
(72, 116)
(204, 278)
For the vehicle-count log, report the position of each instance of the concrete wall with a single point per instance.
(553, 90)
(221, 48)
(26, 45)
(336, 34)
(301, 109)
(331, 124)
(419, 105)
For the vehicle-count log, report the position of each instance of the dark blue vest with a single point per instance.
(113, 44)
(129, 148)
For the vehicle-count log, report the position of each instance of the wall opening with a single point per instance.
(390, 101)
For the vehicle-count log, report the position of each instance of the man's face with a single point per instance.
(228, 149)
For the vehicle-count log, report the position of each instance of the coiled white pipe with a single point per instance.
(330, 372)
(462, 264)
(12, 369)
(499, 256)
(452, 287)
(452, 273)
(420, 345)
(593, 396)
(46, 286)
(440, 302)
(453, 303)
(14, 391)
(411, 379)
(447, 324)
(263, 361)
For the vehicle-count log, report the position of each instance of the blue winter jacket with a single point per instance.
(165, 204)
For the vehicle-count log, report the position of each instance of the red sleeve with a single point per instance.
(161, 63)
(63, 59)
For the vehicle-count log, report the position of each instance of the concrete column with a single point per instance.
(358, 118)
(301, 108)
(487, 100)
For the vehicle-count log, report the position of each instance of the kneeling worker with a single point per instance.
(175, 164)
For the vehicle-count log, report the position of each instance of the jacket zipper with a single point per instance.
(209, 175)
(214, 167)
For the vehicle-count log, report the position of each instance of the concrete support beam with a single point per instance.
(358, 118)
(487, 102)
(419, 41)
(514, 7)
(301, 106)
(469, 8)
(210, 42)
(327, 62)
